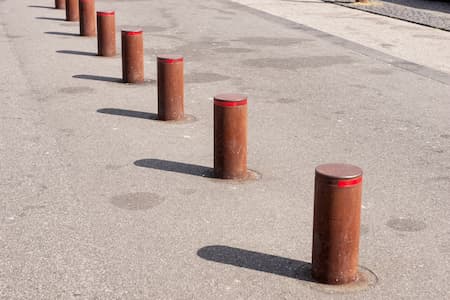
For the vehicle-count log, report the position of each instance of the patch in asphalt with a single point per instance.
(265, 41)
(204, 77)
(406, 224)
(68, 132)
(150, 28)
(233, 50)
(224, 18)
(113, 167)
(12, 36)
(298, 62)
(218, 10)
(380, 71)
(137, 201)
(76, 90)
(287, 100)
(187, 192)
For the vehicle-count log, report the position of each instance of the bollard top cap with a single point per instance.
(106, 13)
(227, 100)
(170, 58)
(339, 171)
(231, 97)
(132, 30)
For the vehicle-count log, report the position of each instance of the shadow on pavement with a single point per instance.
(257, 261)
(177, 167)
(51, 19)
(77, 52)
(41, 6)
(128, 113)
(98, 78)
(61, 33)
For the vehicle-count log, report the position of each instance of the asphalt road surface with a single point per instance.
(101, 201)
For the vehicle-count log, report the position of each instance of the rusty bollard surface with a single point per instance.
(106, 33)
(337, 211)
(72, 10)
(132, 56)
(170, 87)
(60, 4)
(230, 136)
(87, 17)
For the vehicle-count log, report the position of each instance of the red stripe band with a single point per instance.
(104, 13)
(230, 103)
(349, 183)
(133, 32)
(170, 61)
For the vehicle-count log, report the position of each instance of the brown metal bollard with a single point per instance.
(60, 4)
(72, 10)
(337, 213)
(230, 136)
(87, 17)
(132, 56)
(170, 87)
(106, 33)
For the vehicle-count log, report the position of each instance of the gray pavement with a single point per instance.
(434, 13)
(101, 202)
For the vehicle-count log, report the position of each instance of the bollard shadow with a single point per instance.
(61, 33)
(128, 113)
(77, 52)
(41, 6)
(257, 261)
(98, 78)
(50, 19)
(177, 167)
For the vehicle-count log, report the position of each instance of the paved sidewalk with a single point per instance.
(435, 14)
(100, 201)
(414, 43)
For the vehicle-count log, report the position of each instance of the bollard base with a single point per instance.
(137, 84)
(185, 120)
(252, 175)
(366, 279)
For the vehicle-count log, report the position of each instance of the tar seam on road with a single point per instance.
(417, 69)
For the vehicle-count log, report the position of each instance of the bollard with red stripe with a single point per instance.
(72, 10)
(132, 55)
(87, 17)
(336, 230)
(106, 33)
(170, 87)
(60, 4)
(230, 136)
